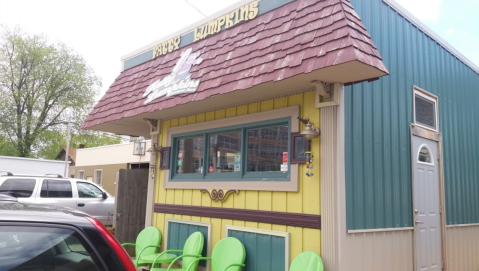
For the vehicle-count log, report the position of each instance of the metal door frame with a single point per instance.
(417, 131)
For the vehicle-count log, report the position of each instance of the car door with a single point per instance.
(57, 192)
(91, 201)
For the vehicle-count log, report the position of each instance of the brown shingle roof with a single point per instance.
(299, 37)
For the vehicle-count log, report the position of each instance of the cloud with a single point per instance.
(449, 31)
(424, 10)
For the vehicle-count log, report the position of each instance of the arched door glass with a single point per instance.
(424, 155)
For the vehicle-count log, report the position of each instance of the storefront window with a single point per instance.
(223, 150)
(251, 151)
(190, 155)
(266, 147)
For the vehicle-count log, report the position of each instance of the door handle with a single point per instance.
(81, 204)
(418, 222)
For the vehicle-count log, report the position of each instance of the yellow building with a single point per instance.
(234, 106)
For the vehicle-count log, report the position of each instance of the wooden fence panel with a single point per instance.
(131, 205)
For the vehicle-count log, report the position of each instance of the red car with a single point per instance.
(48, 238)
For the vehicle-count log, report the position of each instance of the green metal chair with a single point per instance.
(191, 250)
(228, 255)
(307, 261)
(147, 243)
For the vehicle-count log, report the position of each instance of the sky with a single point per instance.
(104, 31)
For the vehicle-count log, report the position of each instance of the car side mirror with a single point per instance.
(104, 195)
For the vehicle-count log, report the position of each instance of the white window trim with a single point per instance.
(430, 154)
(292, 185)
(188, 222)
(285, 235)
(94, 176)
(431, 97)
(83, 174)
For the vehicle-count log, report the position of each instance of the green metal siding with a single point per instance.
(377, 119)
(179, 232)
(263, 252)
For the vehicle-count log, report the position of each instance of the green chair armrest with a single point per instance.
(166, 251)
(235, 264)
(128, 244)
(196, 260)
(138, 256)
(181, 256)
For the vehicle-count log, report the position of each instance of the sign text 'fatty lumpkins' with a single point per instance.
(244, 13)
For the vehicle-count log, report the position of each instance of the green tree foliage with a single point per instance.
(42, 85)
(50, 143)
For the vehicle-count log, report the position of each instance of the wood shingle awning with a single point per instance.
(276, 53)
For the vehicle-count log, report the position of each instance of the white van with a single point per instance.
(82, 195)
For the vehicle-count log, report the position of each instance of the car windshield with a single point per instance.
(42, 248)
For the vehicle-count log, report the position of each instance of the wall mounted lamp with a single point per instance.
(309, 130)
(154, 148)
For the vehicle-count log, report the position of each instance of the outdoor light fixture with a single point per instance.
(309, 131)
(139, 148)
(154, 148)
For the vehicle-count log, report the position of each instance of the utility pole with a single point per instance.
(66, 150)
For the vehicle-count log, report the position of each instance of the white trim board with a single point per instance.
(415, 21)
(381, 230)
(285, 235)
(188, 222)
(462, 225)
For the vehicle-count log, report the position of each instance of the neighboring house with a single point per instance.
(100, 164)
(20, 165)
(71, 158)
(393, 183)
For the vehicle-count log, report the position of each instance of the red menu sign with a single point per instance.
(285, 157)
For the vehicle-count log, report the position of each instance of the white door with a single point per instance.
(427, 218)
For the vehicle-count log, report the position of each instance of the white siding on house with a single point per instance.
(111, 155)
(19, 165)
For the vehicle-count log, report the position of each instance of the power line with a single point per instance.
(195, 8)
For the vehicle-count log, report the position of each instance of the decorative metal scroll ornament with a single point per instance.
(219, 195)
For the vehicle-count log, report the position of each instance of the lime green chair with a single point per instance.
(307, 261)
(147, 243)
(191, 250)
(228, 255)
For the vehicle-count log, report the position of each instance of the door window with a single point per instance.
(424, 155)
(19, 188)
(87, 190)
(56, 189)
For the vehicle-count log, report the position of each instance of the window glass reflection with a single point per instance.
(190, 155)
(266, 147)
(424, 155)
(224, 150)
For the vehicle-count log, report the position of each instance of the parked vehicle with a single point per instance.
(54, 190)
(44, 237)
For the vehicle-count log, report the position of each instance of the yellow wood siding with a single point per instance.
(306, 200)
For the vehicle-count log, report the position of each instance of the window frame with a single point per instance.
(243, 175)
(79, 175)
(94, 176)
(428, 96)
(431, 155)
(229, 124)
